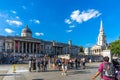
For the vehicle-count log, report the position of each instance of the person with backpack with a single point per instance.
(118, 73)
(59, 63)
(106, 69)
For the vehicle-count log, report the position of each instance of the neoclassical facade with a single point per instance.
(101, 43)
(26, 44)
(20, 44)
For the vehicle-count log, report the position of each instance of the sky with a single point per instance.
(61, 20)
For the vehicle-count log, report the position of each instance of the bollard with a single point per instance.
(14, 68)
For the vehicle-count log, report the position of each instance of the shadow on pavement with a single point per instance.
(9, 74)
(92, 67)
(37, 79)
(78, 72)
(53, 70)
(45, 71)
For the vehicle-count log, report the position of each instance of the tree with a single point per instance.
(119, 37)
(81, 49)
(115, 47)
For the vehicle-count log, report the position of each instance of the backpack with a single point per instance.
(59, 62)
(118, 75)
(108, 70)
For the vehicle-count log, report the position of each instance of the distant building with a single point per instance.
(87, 51)
(26, 44)
(101, 43)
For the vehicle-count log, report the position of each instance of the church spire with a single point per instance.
(101, 36)
(101, 23)
(101, 27)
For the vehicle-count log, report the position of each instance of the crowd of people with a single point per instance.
(6, 58)
(41, 64)
(107, 70)
(38, 64)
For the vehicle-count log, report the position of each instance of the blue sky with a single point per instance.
(61, 20)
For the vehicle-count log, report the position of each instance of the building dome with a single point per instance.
(26, 30)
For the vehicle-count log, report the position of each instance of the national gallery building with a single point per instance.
(26, 44)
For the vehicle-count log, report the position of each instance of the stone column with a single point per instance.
(33, 48)
(5, 46)
(18, 47)
(29, 47)
(22, 47)
(14, 47)
(26, 47)
(36, 48)
(39, 47)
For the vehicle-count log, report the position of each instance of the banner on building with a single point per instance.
(65, 56)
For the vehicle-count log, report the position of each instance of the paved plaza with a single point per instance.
(22, 73)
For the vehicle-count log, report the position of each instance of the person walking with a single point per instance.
(38, 64)
(30, 64)
(76, 63)
(90, 61)
(106, 69)
(83, 62)
(64, 67)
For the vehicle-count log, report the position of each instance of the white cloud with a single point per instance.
(24, 7)
(72, 26)
(14, 22)
(84, 15)
(14, 12)
(68, 21)
(35, 21)
(8, 30)
(69, 30)
(39, 34)
(17, 17)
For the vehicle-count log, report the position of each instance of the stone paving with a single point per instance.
(22, 73)
(2, 72)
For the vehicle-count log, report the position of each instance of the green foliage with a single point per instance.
(81, 49)
(115, 47)
(119, 37)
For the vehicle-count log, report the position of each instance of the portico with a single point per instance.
(26, 46)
